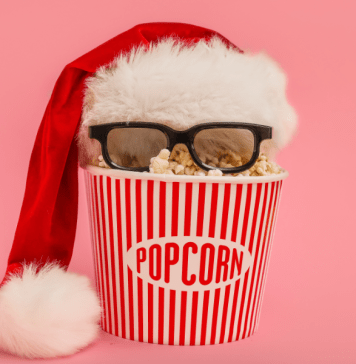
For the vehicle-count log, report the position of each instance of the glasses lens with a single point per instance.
(224, 147)
(134, 147)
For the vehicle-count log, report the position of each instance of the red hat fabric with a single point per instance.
(47, 223)
(44, 238)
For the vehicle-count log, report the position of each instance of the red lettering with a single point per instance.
(235, 260)
(158, 254)
(140, 258)
(204, 249)
(222, 262)
(185, 280)
(168, 261)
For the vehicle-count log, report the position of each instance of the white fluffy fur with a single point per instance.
(181, 86)
(49, 314)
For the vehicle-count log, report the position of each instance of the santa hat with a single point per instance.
(44, 310)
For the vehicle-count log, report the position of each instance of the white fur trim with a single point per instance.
(49, 314)
(183, 86)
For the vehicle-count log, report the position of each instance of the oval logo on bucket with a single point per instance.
(189, 263)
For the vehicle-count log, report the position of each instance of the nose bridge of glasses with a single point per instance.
(181, 137)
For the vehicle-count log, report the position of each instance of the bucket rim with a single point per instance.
(119, 174)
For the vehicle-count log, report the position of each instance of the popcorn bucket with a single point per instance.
(181, 260)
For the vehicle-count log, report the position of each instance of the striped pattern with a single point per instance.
(124, 212)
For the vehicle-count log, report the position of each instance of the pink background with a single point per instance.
(308, 313)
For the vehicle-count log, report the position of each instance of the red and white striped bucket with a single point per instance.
(181, 260)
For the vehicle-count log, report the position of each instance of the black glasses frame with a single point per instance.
(186, 137)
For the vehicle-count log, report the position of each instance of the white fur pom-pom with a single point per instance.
(48, 314)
